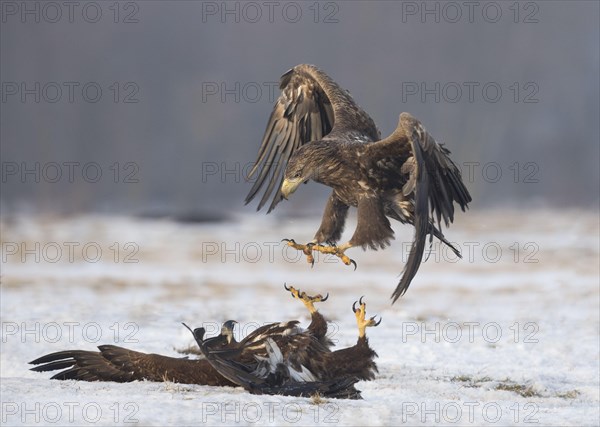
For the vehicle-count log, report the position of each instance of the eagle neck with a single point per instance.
(328, 164)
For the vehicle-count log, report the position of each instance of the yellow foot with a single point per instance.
(306, 249)
(306, 299)
(361, 320)
(309, 247)
(333, 250)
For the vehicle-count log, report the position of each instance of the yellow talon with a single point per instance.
(362, 322)
(310, 247)
(305, 298)
(335, 250)
(346, 260)
(306, 249)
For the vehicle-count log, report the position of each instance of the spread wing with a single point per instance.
(433, 183)
(113, 363)
(311, 106)
(275, 374)
(301, 350)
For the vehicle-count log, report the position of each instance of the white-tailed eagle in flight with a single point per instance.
(317, 132)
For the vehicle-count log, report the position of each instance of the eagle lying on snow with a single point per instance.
(316, 131)
(277, 358)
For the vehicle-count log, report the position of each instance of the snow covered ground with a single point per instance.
(509, 335)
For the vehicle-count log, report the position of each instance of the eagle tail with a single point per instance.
(434, 231)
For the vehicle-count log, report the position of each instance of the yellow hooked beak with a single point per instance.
(289, 186)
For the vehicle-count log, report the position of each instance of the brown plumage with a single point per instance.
(118, 364)
(318, 324)
(317, 132)
(302, 368)
(277, 358)
(358, 360)
(113, 363)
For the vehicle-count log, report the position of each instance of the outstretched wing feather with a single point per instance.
(432, 180)
(113, 363)
(298, 117)
(311, 106)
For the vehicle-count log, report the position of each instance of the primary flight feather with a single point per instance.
(317, 132)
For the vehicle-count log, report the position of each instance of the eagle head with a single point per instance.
(303, 166)
(227, 330)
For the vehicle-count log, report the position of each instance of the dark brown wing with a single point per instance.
(253, 344)
(273, 374)
(270, 330)
(318, 327)
(301, 350)
(432, 181)
(310, 107)
(119, 364)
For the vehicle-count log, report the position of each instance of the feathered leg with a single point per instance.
(318, 324)
(373, 230)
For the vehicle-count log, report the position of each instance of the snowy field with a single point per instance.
(509, 335)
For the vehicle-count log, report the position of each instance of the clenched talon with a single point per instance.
(332, 249)
(306, 249)
(335, 250)
(305, 298)
(348, 261)
(361, 320)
